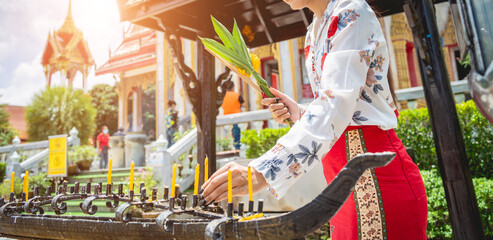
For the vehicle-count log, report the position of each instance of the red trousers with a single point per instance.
(388, 202)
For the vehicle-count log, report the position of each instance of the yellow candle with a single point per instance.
(250, 192)
(132, 166)
(110, 164)
(230, 187)
(26, 184)
(197, 173)
(12, 180)
(173, 181)
(206, 169)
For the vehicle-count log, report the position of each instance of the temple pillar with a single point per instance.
(137, 109)
(120, 109)
(287, 68)
(448, 62)
(84, 83)
(400, 55)
(161, 84)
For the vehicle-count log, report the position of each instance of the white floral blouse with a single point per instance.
(347, 61)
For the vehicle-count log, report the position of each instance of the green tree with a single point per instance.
(56, 110)
(7, 133)
(105, 101)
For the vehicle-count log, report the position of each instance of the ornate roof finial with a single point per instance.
(68, 26)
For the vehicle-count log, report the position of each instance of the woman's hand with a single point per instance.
(216, 188)
(282, 107)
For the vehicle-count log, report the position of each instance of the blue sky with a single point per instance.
(24, 28)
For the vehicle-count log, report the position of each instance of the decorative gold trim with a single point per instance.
(293, 70)
(367, 196)
(277, 56)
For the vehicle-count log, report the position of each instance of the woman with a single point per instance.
(353, 112)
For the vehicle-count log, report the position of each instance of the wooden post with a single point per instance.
(451, 153)
(206, 136)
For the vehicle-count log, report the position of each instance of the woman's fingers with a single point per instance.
(268, 101)
(280, 112)
(282, 118)
(225, 168)
(236, 192)
(276, 106)
(212, 195)
(219, 183)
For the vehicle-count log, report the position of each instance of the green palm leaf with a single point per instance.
(240, 42)
(224, 34)
(227, 54)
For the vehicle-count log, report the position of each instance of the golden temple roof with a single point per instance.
(66, 50)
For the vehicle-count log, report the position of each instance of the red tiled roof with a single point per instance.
(137, 49)
(17, 120)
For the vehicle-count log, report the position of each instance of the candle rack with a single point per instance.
(209, 221)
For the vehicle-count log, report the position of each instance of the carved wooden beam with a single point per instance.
(222, 82)
(263, 17)
(190, 83)
(451, 152)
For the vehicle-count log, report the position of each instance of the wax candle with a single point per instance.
(12, 180)
(26, 184)
(110, 164)
(173, 181)
(206, 169)
(230, 187)
(132, 167)
(250, 188)
(197, 173)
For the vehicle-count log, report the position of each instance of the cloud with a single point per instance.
(27, 79)
(25, 26)
(7, 45)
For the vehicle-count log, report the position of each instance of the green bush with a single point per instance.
(56, 110)
(3, 168)
(260, 142)
(38, 180)
(80, 153)
(415, 131)
(7, 132)
(104, 99)
(438, 216)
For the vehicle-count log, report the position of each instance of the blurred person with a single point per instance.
(232, 103)
(171, 122)
(102, 145)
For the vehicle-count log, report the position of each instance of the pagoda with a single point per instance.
(67, 52)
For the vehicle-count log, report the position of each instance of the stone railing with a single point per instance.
(30, 156)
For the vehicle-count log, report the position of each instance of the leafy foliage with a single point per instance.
(40, 180)
(224, 143)
(3, 167)
(146, 176)
(415, 131)
(438, 216)
(149, 110)
(82, 153)
(56, 110)
(105, 101)
(260, 142)
(7, 133)
(5, 187)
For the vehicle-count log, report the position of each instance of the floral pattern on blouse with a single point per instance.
(347, 62)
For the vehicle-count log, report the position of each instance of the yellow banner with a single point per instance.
(57, 160)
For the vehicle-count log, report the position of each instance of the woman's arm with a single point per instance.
(344, 70)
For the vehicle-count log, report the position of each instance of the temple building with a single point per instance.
(67, 52)
(141, 60)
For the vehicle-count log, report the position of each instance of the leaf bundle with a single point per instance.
(234, 54)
